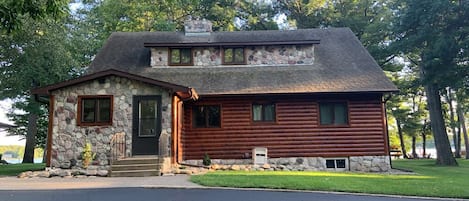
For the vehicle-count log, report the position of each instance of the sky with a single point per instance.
(7, 140)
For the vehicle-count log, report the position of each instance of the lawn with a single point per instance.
(429, 180)
(15, 169)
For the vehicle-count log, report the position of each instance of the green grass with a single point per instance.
(15, 169)
(429, 180)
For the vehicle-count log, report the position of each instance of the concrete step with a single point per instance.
(152, 166)
(132, 161)
(135, 173)
(139, 166)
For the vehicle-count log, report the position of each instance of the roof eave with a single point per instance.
(206, 44)
(48, 89)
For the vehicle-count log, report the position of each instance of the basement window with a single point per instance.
(337, 163)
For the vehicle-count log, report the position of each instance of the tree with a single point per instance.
(431, 30)
(370, 20)
(13, 15)
(35, 54)
(11, 11)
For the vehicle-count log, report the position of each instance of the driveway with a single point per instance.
(171, 188)
(177, 194)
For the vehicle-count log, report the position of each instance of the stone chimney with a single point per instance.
(197, 27)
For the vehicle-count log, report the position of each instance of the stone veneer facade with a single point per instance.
(255, 56)
(354, 163)
(68, 139)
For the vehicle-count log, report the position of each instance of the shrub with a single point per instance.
(206, 160)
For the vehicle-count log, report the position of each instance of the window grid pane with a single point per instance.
(148, 118)
(89, 109)
(206, 117)
(175, 56)
(263, 112)
(186, 56)
(104, 106)
(95, 110)
(239, 55)
(228, 55)
(257, 112)
(333, 113)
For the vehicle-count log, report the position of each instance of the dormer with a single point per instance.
(199, 47)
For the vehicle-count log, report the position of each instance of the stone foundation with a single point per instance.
(355, 163)
(370, 163)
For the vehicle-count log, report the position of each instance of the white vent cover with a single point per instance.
(259, 155)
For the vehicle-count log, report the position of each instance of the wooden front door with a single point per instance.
(146, 128)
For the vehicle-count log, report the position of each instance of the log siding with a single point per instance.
(295, 133)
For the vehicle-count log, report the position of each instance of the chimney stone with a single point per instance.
(197, 27)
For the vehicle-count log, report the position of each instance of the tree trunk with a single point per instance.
(414, 151)
(462, 121)
(444, 156)
(28, 156)
(449, 98)
(424, 145)
(401, 138)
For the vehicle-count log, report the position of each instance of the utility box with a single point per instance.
(259, 155)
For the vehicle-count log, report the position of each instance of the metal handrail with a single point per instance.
(118, 145)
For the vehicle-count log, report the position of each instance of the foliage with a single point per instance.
(370, 20)
(431, 35)
(87, 155)
(13, 10)
(430, 180)
(38, 53)
(206, 160)
(21, 120)
(15, 169)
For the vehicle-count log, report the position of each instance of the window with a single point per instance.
(263, 112)
(94, 110)
(333, 113)
(180, 56)
(206, 116)
(149, 118)
(336, 163)
(233, 55)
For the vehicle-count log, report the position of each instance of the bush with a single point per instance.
(206, 160)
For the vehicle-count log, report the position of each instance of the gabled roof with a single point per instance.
(341, 63)
(184, 91)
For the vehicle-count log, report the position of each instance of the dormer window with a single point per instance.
(234, 55)
(180, 56)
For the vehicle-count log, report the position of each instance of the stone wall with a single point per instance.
(355, 163)
(255, 56)
(68, 139)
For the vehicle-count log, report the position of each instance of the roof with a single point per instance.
(5, 125)
(341, 63)
(189, 92)
(270, 37)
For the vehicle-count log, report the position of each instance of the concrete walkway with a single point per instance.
(13, 183)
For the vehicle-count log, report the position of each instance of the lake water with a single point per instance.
(19, 160)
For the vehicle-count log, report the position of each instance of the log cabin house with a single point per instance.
(311, 99)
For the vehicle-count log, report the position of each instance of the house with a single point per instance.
(5, 125)
(311, 99)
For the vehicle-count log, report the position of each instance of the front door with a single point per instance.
(146, 127)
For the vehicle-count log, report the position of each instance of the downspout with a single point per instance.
(192, 96)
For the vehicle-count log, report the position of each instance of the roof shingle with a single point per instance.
(341, 64)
